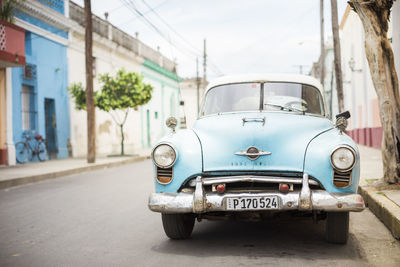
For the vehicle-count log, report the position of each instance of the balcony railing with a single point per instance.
(12, 45)
(106, 30)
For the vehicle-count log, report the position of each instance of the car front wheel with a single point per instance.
(178, 226)
(337, 227)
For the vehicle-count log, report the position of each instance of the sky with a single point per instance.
(250, 36)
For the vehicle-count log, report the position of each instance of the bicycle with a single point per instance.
(29, 148)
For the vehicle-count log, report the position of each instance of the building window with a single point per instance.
(28, 108)
(28, 43)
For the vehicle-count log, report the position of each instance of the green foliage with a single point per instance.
(125, 90)
(7, 10)
(79, 95)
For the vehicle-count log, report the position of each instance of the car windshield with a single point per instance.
(271, 96)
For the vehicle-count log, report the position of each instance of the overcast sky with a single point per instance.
(242, 36)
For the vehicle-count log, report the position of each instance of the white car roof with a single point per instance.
(265, 77)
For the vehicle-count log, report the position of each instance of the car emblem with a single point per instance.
(252, 153)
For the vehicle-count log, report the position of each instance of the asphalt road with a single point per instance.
(101, 218)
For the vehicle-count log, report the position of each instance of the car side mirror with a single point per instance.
(171, 122)
(341, 120)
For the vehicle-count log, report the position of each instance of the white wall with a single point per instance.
(109, 58)
(359, 93)
(164, 103)
(395, 23)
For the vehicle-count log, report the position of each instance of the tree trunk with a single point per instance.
(374, 16)
(122, 139)
(90, 111)
(336, 50)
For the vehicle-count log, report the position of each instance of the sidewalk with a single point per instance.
(38, 171)
(384, 202)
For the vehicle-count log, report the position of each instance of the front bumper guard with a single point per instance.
(306, 199)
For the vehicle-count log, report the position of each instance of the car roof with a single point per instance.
(265, 77)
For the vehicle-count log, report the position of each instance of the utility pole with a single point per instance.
(90, 111)
(322, 59)
(336, 49)
(300, 68)
(198, 84)
(204, 64)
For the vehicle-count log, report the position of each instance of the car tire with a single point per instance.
(178, 226)
(337, 227)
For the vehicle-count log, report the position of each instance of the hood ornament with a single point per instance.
(252, 153)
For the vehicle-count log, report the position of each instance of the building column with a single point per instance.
(9, 125)
(3, 127)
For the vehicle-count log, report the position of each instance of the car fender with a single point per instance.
(317, 160)
(189, 160)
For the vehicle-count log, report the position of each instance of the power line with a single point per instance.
(132, 7)
(144, 13)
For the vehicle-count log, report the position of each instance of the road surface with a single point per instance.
(100, 218)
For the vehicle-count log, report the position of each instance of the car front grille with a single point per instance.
(341, 179)
(164, 175)
(251, 182)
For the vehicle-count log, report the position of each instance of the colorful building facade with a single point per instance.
(39, 90)
(114, 49)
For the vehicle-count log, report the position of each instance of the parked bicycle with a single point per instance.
(30, 148)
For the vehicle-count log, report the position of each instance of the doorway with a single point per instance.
(51, 126)
(148, 128)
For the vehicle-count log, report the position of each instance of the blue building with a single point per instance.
(39, 90)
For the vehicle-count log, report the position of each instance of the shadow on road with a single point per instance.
(294, 238)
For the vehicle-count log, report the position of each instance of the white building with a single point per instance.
(192, 99)
(112, 50)
(359, 93)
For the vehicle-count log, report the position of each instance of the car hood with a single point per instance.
(284, 135)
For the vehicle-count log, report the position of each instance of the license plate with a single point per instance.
(252, 203)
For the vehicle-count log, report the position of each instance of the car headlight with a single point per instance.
(343, 158)
(164, 156)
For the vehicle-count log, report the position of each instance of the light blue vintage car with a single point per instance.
(262, 145)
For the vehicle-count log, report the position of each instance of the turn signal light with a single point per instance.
(164, 180)
(283, 188)
(221, 188)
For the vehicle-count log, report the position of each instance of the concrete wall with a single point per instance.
(189, 96)
(395, 23)
(108, 59)
(359, 93)
(164, 103)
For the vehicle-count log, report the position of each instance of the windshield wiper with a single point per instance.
(285, 107)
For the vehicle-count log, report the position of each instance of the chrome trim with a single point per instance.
(257, 179)
(254, 119)
(351, 150)
(305, 202)
(198, 197)
(168, 144)
(199, 202)
(247, 154)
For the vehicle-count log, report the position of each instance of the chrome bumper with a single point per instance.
(199, 202)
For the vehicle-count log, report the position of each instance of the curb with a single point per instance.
(383, 208)
(52, 175)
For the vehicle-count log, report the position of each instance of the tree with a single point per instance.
(118, 94)
(374, 16)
